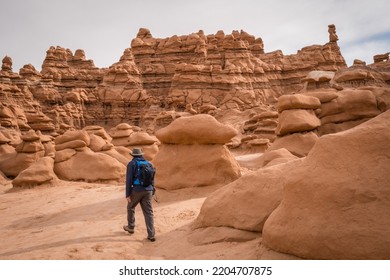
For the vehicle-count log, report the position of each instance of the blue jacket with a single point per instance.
(130, 176)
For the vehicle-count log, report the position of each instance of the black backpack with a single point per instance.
(144, 173)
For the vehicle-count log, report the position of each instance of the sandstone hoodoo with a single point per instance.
(126, 137)
(28, 151)
(38, 173)
(73, 150)
(193, 153)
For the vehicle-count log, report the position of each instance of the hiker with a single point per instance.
(140, 189)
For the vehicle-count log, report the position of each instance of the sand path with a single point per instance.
(74, 220)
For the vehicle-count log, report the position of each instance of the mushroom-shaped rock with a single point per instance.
(198, 129)
(193, 154)
(318, 76)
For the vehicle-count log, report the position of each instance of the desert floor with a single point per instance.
(77, 220)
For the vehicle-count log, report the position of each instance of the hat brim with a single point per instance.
(134, 155)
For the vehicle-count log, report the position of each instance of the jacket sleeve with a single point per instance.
(129, 178)
(154, 176)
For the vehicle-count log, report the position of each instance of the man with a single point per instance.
(137, 191)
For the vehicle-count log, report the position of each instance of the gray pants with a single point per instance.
(145, 199)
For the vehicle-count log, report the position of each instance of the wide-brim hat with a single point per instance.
(136, 152)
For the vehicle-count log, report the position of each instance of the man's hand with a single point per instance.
(128, 199)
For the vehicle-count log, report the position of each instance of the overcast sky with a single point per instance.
(104, 28)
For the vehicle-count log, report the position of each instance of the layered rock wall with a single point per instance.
(226, 71)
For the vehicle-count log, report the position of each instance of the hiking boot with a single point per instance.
(151, 239)
(129, 230)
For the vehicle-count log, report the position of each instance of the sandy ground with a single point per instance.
(76, 220)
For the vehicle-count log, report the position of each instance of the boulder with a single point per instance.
(297, 120)
(141, 138)
(350, 105)
(30, 147)
(358, 73)
(118, 133)
(89, 166)
(116, 155)
(38, 173)
(30, 136)
(107, 146)
(318, 76)
(257, 145)
(13, 163)
(97, 143)
(297, 101)
(121, 130)
(64, 155)
(31, 143)
(248, 161)
(274, 157)
(197, 129)
(97, 130)
(121, 141)
(382, 96)
(324, 95)
(261, 126)
(132, 136)
(341, 210)
(48, 145)
(125, 152)
(299, 144)
(73, 135)
(72, 144)
(247, 202)
(338, 127)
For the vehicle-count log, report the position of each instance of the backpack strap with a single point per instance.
(136, 179)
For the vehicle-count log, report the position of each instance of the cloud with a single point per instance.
(365, 48)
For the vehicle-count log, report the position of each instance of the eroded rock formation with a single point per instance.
(206, 72)
(27, 152)
(274, 101)
(260, 193)
(343, 202)
(73, 151)
(193, 153)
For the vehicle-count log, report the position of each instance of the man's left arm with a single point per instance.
(129, 180)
